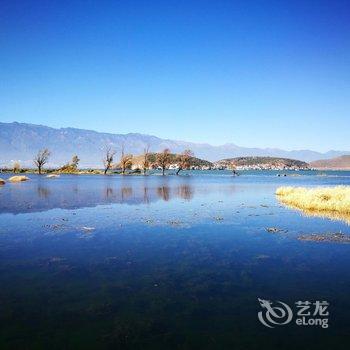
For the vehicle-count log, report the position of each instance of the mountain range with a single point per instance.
(21, 141)
(342, 162)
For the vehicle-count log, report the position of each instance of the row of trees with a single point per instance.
(183, 160)
(163, 160)
(125, 160)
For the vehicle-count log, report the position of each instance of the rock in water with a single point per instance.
(274, 230)
(52, 176)
(88, 229)
(18, 178)
(2, 182)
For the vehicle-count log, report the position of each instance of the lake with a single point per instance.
(174, 262)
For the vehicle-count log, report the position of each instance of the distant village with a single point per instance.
(260, 167)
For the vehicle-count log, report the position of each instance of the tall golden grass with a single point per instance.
(329, 199)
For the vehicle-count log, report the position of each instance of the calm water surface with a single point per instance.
(175, 262)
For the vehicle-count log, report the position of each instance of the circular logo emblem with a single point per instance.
(275, 313)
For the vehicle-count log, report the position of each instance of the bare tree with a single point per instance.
(41, 159)
(145, 160)
(163, 159)
(184, 160)
(16, 167)
(125, 160)
(108, 158)
(75, 161)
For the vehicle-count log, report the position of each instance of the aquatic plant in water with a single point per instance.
(329, 202)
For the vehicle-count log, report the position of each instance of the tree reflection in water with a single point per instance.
(70, 192)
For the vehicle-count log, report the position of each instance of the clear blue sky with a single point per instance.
(254, 73)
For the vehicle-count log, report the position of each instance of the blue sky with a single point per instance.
(254, 73)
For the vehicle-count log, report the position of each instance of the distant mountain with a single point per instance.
(342, 162)
(20, 141)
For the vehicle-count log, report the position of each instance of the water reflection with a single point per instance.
(185, 192)
(43, 192)
(73, 192)
(109, 192)
(332, 215)
(164, 193)
(177, 276)
(126, 193)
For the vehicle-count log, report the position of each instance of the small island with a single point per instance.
(261, 163)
